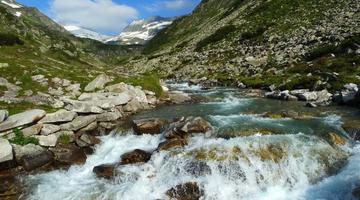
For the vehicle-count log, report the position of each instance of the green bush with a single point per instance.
(219, 35)
(7, 39)
(22, 140)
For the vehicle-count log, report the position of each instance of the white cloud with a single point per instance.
(170, 5)
(98, 15)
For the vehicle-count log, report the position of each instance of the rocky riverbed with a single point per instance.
(227, 145)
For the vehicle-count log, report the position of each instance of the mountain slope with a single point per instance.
(32, 44)
(260, 43)
(141, 31)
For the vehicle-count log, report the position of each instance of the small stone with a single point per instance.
(90, 127)
(32, 130)
(49, 129)
(47, 141)
(6, 153)
(136, 156)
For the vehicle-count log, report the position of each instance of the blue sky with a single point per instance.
(109, 16)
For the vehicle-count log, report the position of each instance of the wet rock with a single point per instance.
(136, 156)
(178, 97)
(108, 116)
(48, 129)
(31, 162)
(356, 192)
(78, 123)
(98, 83)
(196, 125)
(107, 171)
(186, 191)
(197, 168)
(337, 139)
(26, 150)
(22, 119)
(47, 141)
(172, 143)
(60, 116)
(3, 115)
(6, 151)
(32, 130)
(149, 126)
(353, 129)
(68, 154)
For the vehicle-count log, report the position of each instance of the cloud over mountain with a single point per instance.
(98, 15)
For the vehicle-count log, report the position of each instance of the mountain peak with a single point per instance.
(86, 33)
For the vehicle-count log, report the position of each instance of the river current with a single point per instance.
(297, 163)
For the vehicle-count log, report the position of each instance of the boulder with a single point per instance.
(308, 96)
(32, 130)
(107, 171)
(98, 83)
(186, 191)
(108, 116)
(22, 119)
(98, 99)
(68, 154)
(48, 129)
(78, 123)
(324, 98)
(6, 151)
(26, 150)
(178, 97)
(90, 127)
(298, 92)
(172, 143)
(196, 125)
(353, 129)
(3, 115)
(149, 126)
(136, 156)
(60, 116)
(83, 106)
(86, 140)
(133, 92)
(47, 141)
(134, 106)
(31, 162)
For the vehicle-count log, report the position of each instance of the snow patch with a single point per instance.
(18, 14)
(11, 4)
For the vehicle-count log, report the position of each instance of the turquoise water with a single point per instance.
(296, 163)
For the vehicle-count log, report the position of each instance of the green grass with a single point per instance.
(20, 139)
(215, 37)
(64, 139)
(23, 106)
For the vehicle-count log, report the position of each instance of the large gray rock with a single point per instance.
(108, 116)
(98, 83)
(3, 115)
(308, 96)
(178, 97)
(324, 98)
(105, 100)
(47, 141)
(134, 92)
(49, 129)
(32, 130)
(59, 117)
(27, 150)
(84, 106)
(22, 119)
(78, 123)
(6, 153)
